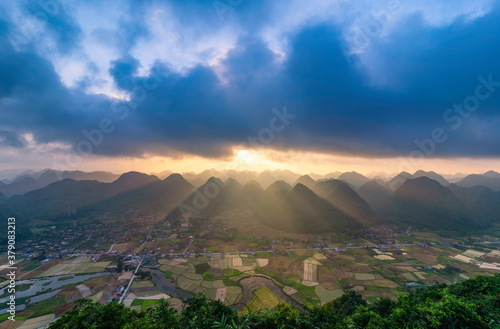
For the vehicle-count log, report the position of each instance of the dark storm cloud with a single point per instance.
(56, 21)
(11, 139)
(376, 104)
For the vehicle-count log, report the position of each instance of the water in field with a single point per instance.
(42, 288)
(167, 285)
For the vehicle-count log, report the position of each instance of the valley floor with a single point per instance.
(300, 273)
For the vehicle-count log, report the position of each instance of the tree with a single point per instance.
(87, 314)
(119, 267)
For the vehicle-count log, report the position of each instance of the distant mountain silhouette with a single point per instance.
(20, 186)
(346, 199)
(256, 184)
(279, 186)
(163, 174)
(285, 175)
(30, 180)
(157, 198)
(490, 179)
(278, 207)
(354, 179)
(424, 203)
(198, 179)
(492, 174)
(375, 194)
(250, 197)
(326, 206)
(242, 177)
(209, 200)
(265, 179)
(482, 202)
(305, 180)
(68, 196)
(432, 175)
(302, 211)
(398, 180)
(132, 180)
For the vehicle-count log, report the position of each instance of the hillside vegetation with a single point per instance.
(471, 304)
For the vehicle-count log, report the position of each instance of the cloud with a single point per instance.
(11, 139)
(371, 103)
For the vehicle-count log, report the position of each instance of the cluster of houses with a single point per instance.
(117, 293)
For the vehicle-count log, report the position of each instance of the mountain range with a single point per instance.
(29, 180)
(424, 202)
(306, 205)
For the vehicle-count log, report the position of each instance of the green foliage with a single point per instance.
(47, 306)
(346, 304)
(202, 268)
(231, 273)
(31, 267)
(471, 304)
(449, 269)
(119, 267)
(92, 315)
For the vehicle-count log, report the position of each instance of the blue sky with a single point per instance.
(89, 84)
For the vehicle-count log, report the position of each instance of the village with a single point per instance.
(141, 263)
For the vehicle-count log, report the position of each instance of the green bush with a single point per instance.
(471, 304)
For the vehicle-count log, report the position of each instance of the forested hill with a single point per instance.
(473, 303)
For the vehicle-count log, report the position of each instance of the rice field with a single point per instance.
(319, 276)
(463, 258)
(326, 295)
(142, 284)
(233, 295)
(364, 276)
(263, 298)
(494, 253)
(310, 272)
(78, 265)
(492, 266)
(420, 275)
(383, 283)
(473, 253)
(408, 276)
(145, 303)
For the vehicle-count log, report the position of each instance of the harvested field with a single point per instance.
(289, 290)
(310, 272)
(473, 253)
(463, 258)
(343, 275)
(220, 294)
(492, 266)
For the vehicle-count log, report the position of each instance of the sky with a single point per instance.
(310, 86)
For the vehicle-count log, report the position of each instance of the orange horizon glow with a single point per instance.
(266, 159)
